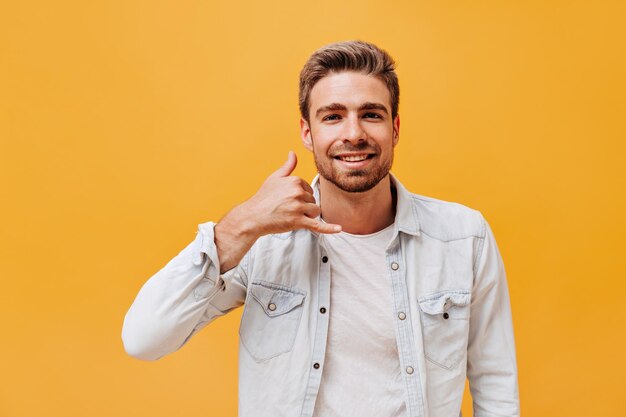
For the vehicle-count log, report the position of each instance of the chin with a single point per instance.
(354, 182)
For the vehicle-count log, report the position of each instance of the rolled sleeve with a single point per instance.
(181, 298)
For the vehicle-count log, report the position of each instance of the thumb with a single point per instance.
(288, 166)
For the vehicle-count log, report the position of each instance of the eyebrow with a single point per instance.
(364, 106)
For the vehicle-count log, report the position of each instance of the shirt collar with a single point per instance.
(406, 219)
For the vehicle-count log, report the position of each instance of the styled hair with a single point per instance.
(359, 56)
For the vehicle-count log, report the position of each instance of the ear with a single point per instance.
(396, 129)
(305, 134)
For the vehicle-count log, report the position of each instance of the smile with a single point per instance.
(354, 158)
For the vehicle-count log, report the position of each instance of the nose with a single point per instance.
(353, 131)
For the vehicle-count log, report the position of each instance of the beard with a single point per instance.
(354, 180)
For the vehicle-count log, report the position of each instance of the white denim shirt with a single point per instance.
(450, 299)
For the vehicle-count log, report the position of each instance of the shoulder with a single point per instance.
(447, 220)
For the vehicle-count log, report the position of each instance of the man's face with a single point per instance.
(351, 132)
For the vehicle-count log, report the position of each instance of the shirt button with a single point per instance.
(316, 365)
(322, 310)
(401, 316)
(272, 307)
(446, 315)
(395, 266)
(409, 370)
(324, 259)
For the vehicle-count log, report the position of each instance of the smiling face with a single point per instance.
(351, 132)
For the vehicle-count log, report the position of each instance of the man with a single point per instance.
(360, 298)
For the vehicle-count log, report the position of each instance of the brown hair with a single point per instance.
(358, 56)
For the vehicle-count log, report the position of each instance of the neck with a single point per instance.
(358, 213)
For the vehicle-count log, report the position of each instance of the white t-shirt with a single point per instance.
(361, 375)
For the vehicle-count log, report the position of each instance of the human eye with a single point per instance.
(331, 117)
(372, 115)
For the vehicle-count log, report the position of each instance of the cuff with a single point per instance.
(205, 241)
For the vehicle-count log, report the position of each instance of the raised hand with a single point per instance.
(283, 203)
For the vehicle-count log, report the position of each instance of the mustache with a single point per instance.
(361, 147)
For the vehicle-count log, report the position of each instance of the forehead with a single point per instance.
(350, 89)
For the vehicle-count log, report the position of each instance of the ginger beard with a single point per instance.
(353, 180)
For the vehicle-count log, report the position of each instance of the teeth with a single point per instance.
(354, 158)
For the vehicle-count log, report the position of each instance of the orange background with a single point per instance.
(125, 124)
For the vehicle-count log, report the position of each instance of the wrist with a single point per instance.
(234, 235)
(240, 224)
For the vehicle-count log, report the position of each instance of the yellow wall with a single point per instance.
(124, 124)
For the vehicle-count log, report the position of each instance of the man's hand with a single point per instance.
(283, 203)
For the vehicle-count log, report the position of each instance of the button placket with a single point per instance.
(404, 330)
(321, 332)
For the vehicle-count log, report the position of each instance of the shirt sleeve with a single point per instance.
(491, 360)
(182, 298)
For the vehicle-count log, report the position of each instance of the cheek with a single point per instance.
(322, 150)
(322, 141)
(380, 130)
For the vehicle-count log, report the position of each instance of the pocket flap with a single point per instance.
(440, 302)
(276, 299)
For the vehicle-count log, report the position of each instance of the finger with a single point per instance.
(308, 198)
(321, 227)
(288, 167)
(306, 186)
(312, 210)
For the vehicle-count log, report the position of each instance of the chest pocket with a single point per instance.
(270, 319)
(445, 326)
